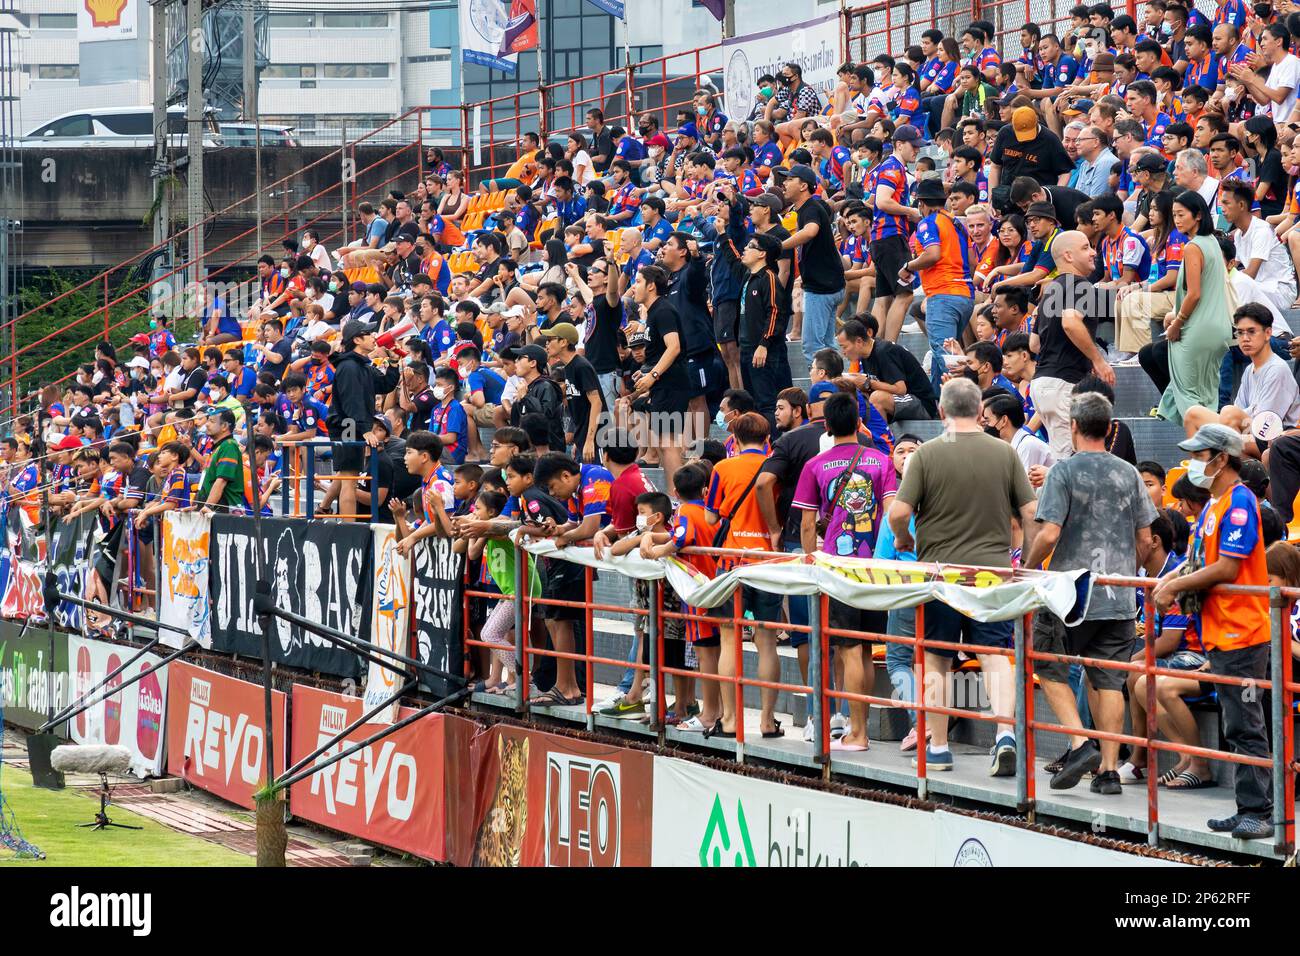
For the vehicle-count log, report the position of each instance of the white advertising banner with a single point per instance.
(970, 841)
(389, 620)
(99, 20)
(183, 600)
(707, 817)
(131, 718)
(814, 45)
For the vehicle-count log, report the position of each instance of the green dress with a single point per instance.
(1194, 360)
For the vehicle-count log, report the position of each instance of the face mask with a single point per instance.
(153, 323)
(702, 110)
(990, 430)
(720, 420)
(864, 163)
(1197, 475)
(642, 523)
(656, 152)
(1166, 30)
(285, 272)
(766, 91)
(784, 80)
(440, 393)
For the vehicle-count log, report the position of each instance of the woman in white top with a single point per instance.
(583, 172)
(311, 246)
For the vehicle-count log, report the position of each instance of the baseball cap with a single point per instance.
(1078, 108)
(819, 391)
(138, 362)
(1214, 437)
(384, 423)
(390, 247)
(771, 200)
(360, 287)
(355, 329)
(907, 133)
(1025, 122)
(688, 129)
(1150, 163)
(638, 340)
(562, 330)
(514, 312)
(534, 352)
(660, 140)
(68, 443)
(140, 338)
(801, 172)
(508, 354)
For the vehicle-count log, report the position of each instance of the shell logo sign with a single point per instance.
(105, 13)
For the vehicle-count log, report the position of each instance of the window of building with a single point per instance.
(58, 71)
(356, 71)
(289, 71)
(56, 21)
(291, 21)
(364, 21)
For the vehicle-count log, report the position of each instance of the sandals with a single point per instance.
(841, 745)
(553, 698)
(1166, 778)
(693, 725)
(717, 731)
(778, 732)
(1190, 781)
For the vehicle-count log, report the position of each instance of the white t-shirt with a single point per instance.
(1260, 242)
(1248, 290)
(510, 391)
(1283, 74)
(1271, 388)
(1210, 191)
(1032, 450)
(582, 168)
(321, 257)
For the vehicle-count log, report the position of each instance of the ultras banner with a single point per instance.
(547, 800)
(130, 718)
(390, 622)
(862, 582)
(183, 580)
(33, 675)
(392, 792)
(215, 738)
(73, 546)
(320, 570)
(437, 593)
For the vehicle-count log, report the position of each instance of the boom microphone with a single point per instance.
(91, 758)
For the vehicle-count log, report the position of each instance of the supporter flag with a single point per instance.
(521, 29)
(716, 7)
(492, 32)
(613, 7)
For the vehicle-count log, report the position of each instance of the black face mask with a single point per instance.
(643, 130)
(785, 80)
(990, 430)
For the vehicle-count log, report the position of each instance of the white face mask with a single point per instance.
(439, 392)
(642, 523)
(1197, 475)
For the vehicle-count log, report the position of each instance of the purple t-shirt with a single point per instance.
(852, 527)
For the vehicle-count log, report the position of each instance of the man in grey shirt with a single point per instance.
(1093, 513)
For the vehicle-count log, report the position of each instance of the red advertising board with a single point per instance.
(547, 800)
(215, 738)
(392, 793)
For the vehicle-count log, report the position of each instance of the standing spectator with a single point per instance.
(819, 263)
(936, 488)
(1228, 548)
(666, 381)
(1071, 530)
(945, 265)
(849, 487)
(1067, 330)
(582, 399)
(890, 228)
(1024, 147)
(224, 481)
(1199, 328)
(352, 406)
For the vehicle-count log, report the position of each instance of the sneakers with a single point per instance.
(1076, 763)
(936, 759)
(1107, 783)
(839, 726)
(620, 706)
(1251, 828)
(1056, 765)
(1131, 773)
(809, 731)
(1225, 825)
(1004, 757)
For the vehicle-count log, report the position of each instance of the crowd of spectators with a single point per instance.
(1116, 194)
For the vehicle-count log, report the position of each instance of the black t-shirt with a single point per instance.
(137, 483)
(194, 381)
(283, 348)
(1119, 442)
(537, 506)
(661, 320)
(781, 234)
(1271, 172)
(386, 474)
(1066, 202)
(1043, 157)
(579, 379)
(819, 260)
(601, 347)
(891, 363)
(602, 144)
(790, 453)
(418, 420)
(1058, 357)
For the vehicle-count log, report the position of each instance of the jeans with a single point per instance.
(1080, 689)
(945, 318)
(1243, 725)
(765, 383)
(899, 658)
(932, 106)
(1234, 361)
(608, 391)
(819, 321)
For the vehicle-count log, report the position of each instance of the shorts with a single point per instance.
(483, 417)
(726, 315)
(762, 605)
(889, 254)
(1100, 640)
(562, 581)
(910, 408)
(942, 623)
(849, 618)
(350, 458)
(674, 628)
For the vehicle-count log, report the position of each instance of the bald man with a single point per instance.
(1067, 328)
